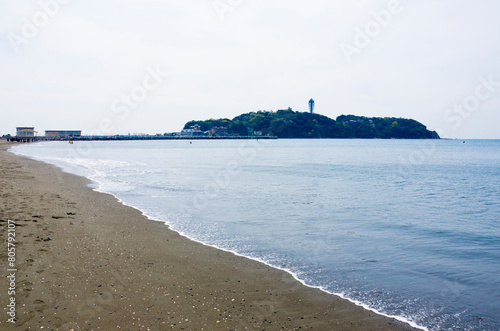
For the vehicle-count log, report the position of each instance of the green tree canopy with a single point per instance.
(290, 124)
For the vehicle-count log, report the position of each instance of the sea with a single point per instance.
(406, 228)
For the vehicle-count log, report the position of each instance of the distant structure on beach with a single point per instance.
(311, 106)
(57, 134)
(25, 131)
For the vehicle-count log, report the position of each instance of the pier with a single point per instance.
(120, 137)
(127, 137)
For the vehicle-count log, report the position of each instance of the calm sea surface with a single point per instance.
(407, 228)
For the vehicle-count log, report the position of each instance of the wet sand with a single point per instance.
(86, 262)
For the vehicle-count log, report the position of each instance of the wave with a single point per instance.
(97, 170)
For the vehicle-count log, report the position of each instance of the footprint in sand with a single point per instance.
(56, 322)
(22, 319)
(24, 288)
(40, 305)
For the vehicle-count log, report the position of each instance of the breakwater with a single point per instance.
(127, 137)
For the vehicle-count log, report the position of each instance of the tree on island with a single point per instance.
(290, 124)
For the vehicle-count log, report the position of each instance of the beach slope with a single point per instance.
(84, 261)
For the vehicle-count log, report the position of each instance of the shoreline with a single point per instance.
(88, 261)
(400, 319)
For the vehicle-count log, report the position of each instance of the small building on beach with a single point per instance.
(25, 131)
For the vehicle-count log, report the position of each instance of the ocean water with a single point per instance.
(407, 228)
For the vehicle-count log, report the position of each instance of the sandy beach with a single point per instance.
(84, 261)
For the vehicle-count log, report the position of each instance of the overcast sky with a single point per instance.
(132, 66)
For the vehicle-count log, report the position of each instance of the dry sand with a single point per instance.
(87, 262)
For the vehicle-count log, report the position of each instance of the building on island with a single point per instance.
(58, 134)
(311, 106)
(219, 131)
(25, 132)
(193, 131)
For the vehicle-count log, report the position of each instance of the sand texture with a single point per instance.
(86, 262)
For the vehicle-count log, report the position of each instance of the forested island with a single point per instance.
(292, 124)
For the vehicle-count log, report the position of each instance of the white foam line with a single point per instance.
(294, 275)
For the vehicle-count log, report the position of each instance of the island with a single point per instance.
(293, 124)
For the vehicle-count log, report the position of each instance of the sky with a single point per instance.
(150, 66)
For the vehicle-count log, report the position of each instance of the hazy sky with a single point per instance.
(130, 66)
